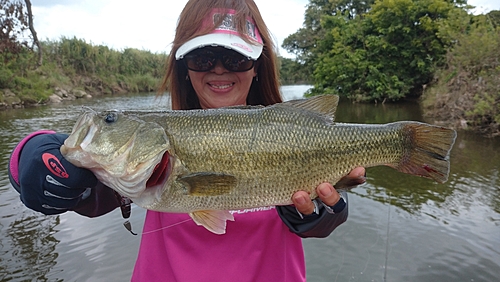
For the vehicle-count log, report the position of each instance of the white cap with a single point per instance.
(225, 35)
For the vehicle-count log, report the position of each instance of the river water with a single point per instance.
(400, 227)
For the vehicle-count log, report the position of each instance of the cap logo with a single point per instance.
(228, 24)
(241, 46)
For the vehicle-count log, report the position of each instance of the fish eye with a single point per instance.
(110, 117)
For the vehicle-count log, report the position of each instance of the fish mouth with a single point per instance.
(161, 172)
(114, 173)
(156, 183)
(82, 133)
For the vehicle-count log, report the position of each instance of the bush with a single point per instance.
(467, 91)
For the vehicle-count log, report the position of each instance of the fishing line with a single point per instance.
(166, 227)
(387, 240)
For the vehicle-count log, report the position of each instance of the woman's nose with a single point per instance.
(219, 67)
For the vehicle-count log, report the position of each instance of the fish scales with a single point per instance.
(245, 157)
(272, 154)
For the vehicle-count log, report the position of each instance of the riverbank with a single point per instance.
(83, 87)
(11, 101)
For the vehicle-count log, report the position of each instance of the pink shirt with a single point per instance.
(257, 246)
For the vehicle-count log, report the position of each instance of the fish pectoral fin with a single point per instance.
(208, 184)
(213, 220)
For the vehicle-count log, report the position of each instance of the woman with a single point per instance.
(222, 55)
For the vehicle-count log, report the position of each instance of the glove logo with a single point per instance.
(54, 165)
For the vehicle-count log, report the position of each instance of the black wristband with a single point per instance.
(337, 208)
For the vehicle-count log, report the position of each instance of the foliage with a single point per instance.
(467, 90)
(394, 49)
(494, 18)
(73, 63)
(293, 72)
(389, 53)
(304, 43)
(88, 59)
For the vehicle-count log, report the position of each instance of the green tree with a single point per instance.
(494, 17)
(293, 72)
(303, 43)
(389, 53)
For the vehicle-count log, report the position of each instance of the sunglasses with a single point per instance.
(205, 59)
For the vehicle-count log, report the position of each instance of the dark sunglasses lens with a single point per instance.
(236, 62)
(205, 60)
(201, 61)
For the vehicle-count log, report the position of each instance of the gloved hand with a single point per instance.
(47, 182)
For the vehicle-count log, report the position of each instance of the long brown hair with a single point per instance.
(265, 87)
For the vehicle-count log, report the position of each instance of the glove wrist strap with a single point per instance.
(14, 158)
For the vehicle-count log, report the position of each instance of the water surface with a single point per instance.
(400, 228)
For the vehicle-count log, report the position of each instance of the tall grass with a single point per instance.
(74, 63)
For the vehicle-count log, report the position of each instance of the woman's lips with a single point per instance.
(221, 87)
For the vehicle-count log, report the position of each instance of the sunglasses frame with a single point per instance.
(219, 56)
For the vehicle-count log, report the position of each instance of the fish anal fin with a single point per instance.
(208, 184)
(213, 220)
(323, 104)
(428, 151)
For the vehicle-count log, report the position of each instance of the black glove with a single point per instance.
(47, 182)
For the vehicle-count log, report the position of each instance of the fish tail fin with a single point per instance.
(427, 150)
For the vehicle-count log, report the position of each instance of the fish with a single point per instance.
(208, 162)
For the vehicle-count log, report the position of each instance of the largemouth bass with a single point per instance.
(244, 157)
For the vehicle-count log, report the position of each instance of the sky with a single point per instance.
(150, 24)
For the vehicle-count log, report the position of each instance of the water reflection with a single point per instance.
(28, 235)
(379, 113)
(400, 227)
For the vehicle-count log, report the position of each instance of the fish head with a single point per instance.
(120, 149)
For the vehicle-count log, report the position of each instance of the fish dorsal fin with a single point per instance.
(208, 183)
(323, 104)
